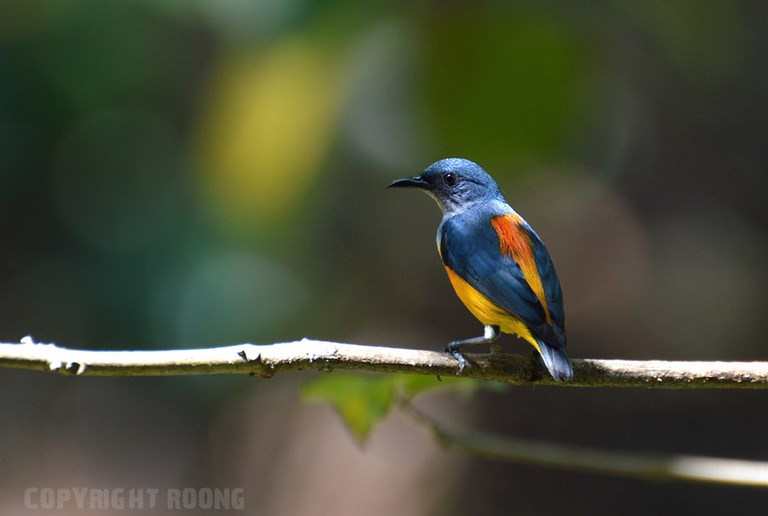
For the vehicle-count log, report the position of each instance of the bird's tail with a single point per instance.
(557, 362)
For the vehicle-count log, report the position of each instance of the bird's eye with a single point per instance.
(449, 178)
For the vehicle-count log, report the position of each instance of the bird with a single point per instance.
(498, 265)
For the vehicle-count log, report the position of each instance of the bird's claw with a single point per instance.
(453, 350)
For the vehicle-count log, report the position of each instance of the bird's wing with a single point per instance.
(506, 261)
(551, 283)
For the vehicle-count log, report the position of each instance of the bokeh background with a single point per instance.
(190, 173)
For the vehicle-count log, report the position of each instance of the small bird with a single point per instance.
(496, 263)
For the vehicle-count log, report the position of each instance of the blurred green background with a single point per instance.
(190, 173)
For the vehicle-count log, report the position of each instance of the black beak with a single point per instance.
(410, 182)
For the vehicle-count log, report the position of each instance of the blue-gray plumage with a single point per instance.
(497, 264)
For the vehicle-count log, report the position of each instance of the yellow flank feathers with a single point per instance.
(486, 311)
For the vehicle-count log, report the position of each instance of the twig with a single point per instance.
(689, 468)
(269, 359)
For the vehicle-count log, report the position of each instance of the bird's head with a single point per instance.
(455, 183)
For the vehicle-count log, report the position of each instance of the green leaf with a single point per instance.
(364, 400)
(360, 400)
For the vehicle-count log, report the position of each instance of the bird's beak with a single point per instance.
(410, 182)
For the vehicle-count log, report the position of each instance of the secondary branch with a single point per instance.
(690, 468)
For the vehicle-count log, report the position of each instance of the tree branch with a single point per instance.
(269, 359)
(689, 468)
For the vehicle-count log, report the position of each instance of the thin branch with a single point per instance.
(689, 468)
(266, 360)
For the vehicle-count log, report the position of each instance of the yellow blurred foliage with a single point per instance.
(269, 124)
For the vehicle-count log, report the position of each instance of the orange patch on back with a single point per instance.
(515, 242)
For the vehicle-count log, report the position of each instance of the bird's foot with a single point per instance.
(453, 349)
